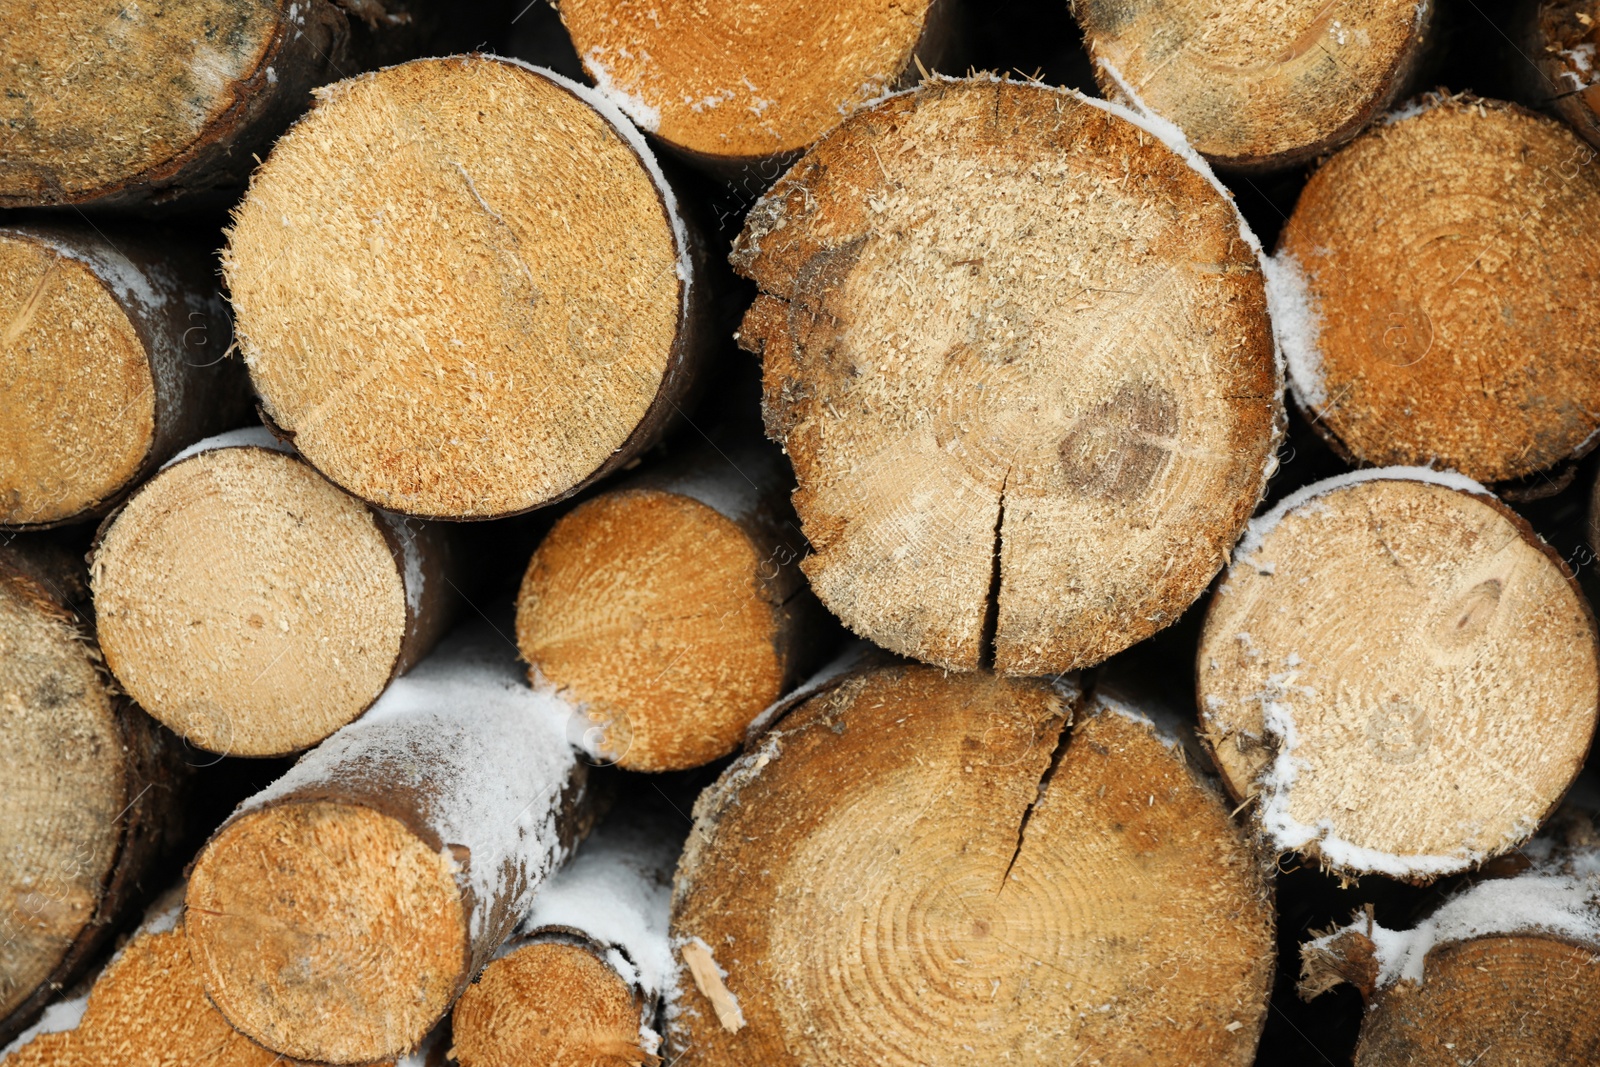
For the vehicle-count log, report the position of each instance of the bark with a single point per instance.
(672, 608)
(95, 797)
(1470, 353)
(425, 827)
(999, 462)
(543, 319)
(1375, 664)
(581, 983)
(737, 92)
(254, 607)
(152, 317)
(109, 111)
(1252, 89)
(1554, 62)
(988, 880)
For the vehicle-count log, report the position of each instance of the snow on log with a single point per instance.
(340, 912)
(1443, 276)
(1500, 973)
(671, 610)
(581, 983)
(253, 606)
(1015, 342)
(1257, 86)
(93, 787)
(109, 104)
(1399, 672)
(919, 867)
(111, 360)
(732, 85)
(465, 289)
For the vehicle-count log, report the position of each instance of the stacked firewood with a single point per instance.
(814, 534)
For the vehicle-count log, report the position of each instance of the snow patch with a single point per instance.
(249, 436)
(617, 890)
(1296, 326)
(58, 1018)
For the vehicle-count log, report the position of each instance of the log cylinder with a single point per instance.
(1443, 272)
(253, 606)
(1257, 86)
(464, 287)
(732, 85)
(581, 983)
(110, 105)
(1017, 349)
(1556, 60)
(339, 913)
(111, 360)
(919, 867)
(671, 610)
(1399, 673)
(93, 788)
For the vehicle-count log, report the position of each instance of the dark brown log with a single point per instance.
(1555, 60)
(116, 106)
(112, 358)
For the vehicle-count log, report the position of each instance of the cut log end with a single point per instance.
(247, 603)
(747, 80)
(1451, 259)
(951, 898)
(551, 1002)
(66, 788)
(645, 609)
(77, 398)
(1453, 744)
(1256, 86)
(509, 316)
(1015, 441)
(1523, 999)
(270, 908)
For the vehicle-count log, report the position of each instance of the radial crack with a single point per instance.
(1063, 736)
(991, 608)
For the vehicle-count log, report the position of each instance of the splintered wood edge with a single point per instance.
(255, 265)
(724, 905)
(179, 575)
(645, 608)
(553, 1001)
(283, 908)
(1249, 753)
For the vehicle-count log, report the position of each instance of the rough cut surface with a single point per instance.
(93, 789)
(986, 884)
(1400, 673)
(1254, 84)
(462, 287)
(248, 603)
(672, 609)
(341, 911)
(746, 80)
(125, 105)
(1451, 256)
(1018, 351)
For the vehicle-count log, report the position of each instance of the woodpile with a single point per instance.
(801, 551)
